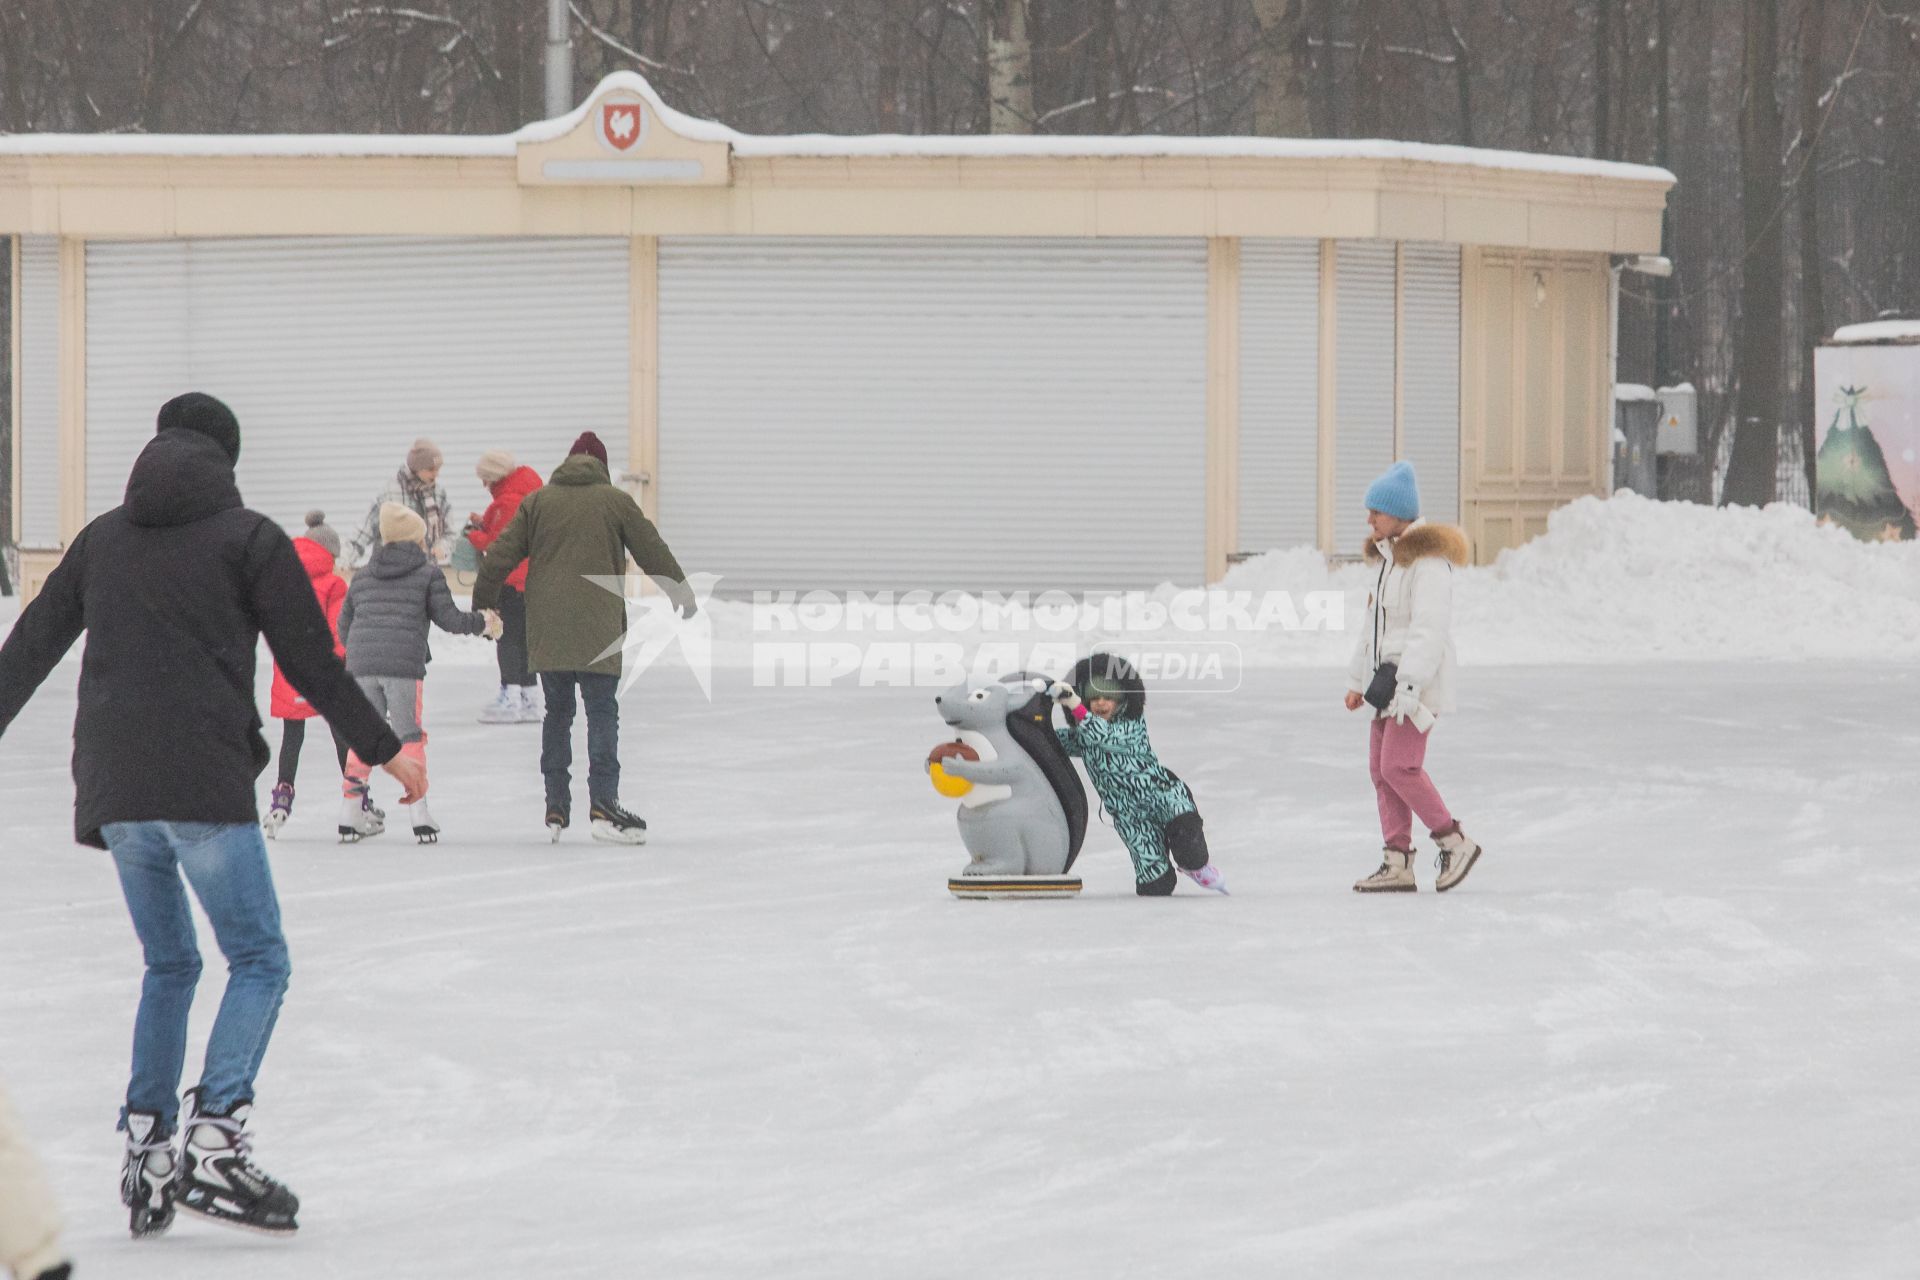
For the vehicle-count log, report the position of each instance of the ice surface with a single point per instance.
(1663, 1030)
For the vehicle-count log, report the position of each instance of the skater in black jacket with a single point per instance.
(174, 588)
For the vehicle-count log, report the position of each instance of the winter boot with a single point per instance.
(614, 825)
(148, 1175)
(1457, 856)
(557, 821)
(359, 819)
(425, 829)
(1207, 877)
(531, 711)
(220, 1181)
(1394, 876)
(62, 1272)
(504, 709)
(279, 810)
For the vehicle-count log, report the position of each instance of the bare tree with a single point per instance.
(1009, 68)
(1756, 442)
(1281, 108)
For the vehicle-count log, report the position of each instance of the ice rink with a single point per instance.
(1666, 1029)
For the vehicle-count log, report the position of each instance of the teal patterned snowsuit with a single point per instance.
(1141, 793)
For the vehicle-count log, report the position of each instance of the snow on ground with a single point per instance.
(1663, 1030)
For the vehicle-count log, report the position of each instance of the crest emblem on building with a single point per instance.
(621, 125)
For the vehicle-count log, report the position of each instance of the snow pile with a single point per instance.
(1628, 579)
(1622, 579)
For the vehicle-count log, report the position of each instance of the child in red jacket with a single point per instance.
(509, 483)
(319, 550)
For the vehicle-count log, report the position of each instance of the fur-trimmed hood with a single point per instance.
(1422, 540)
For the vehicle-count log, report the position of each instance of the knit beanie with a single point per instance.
(198, 411)
(401, 524)
(494, 466)
(1395, 493)
(318, 530)
(424, 456)
(589, 444)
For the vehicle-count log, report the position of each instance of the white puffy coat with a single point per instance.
(29, 1228)
(1409, 616)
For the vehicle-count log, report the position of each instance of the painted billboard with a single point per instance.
(1867, 470)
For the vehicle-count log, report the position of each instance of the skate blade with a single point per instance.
(292, 1228)
(143, 1225)
(427, 835)
(1391, 888)
(554, 831)
(993, 888)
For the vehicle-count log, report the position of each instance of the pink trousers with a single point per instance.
(1396, 759)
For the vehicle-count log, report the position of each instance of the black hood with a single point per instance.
(180, 477)
(1113, 669)
(396, 559)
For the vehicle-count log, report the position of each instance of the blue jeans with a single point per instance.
(226, 863)
(601, 695)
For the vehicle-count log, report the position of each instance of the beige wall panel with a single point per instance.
(1223, 403)
(35, 566)
(1496, 376)
(1315, 215)
(73, 387)
(1476, 220)
(691, 211)
(1637, 231)
(147, 212)
(1018, 174)
(1538, 422)
(1124, 172)
(1408, 216)
(1580, 325)
(1151, 213)
(791, 212)
(1569, 226)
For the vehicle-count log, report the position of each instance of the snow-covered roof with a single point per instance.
(1629, 391)
(1879, 331)
(813, 144)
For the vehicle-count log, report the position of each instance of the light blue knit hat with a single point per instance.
(1395, 493)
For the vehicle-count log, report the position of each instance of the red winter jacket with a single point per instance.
(507, 496)
(331, 589)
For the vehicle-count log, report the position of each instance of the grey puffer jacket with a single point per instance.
(384, 621)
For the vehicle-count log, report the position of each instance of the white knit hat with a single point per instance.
(494, 466)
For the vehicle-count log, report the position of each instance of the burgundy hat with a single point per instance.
(589, 444)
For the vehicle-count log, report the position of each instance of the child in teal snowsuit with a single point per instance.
(1153, 810)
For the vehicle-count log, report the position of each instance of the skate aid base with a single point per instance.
(987, 888)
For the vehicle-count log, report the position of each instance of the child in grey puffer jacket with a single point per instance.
(392, 601)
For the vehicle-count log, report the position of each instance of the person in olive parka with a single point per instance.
(578, 528)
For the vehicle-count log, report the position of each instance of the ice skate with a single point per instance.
(359, 819)
(504, 709)
(219, 1180)
(1457, 856)
(1207, 877)
(148, 1175)
(556, 822)
(279, 809)
(425, 829)
(614, 825)
(1394, 876)
(531, 710)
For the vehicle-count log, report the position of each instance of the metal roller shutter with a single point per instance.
(337, 353)
(1363, 352)
(39, 375)
(1430, 374)
(937, 413)
(1279, 393)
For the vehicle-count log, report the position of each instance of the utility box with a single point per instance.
(1679, 430)
(1636, 420)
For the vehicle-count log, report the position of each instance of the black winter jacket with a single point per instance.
(384, 621)
(174, 588)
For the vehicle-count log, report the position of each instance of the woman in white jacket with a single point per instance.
(29, 1228)
(1409, 620)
